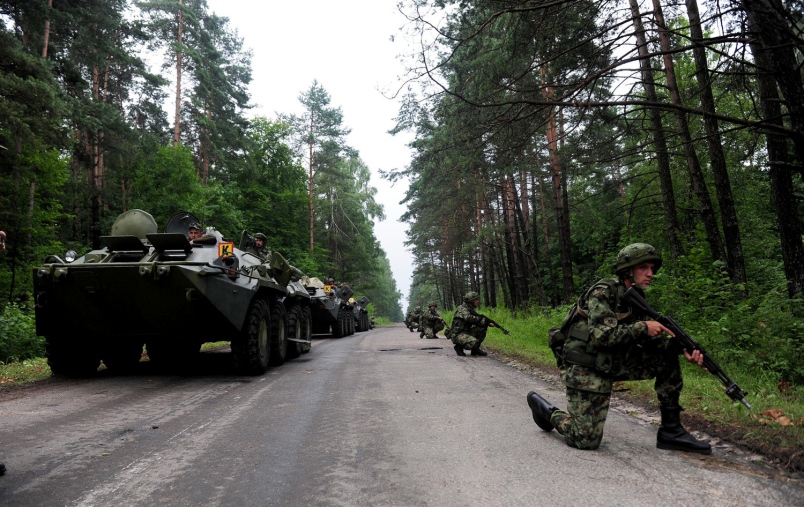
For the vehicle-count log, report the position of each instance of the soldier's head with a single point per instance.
(194, 231)
(637, 263)
(330, 281)
(433, 304)
(472, 298)
(260, 239)
(418, 309)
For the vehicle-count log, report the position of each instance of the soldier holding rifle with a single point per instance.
(597, 346)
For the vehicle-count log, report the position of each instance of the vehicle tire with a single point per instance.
(307, 316)
(251, 349)
(339, 327)
(295, 331)
(71, 357)
(123, 356)
(279, 334)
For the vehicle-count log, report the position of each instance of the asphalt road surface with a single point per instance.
(377, 418)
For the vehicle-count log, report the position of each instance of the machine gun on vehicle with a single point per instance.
(634, 299)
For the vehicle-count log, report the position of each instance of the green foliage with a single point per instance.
(18, 340)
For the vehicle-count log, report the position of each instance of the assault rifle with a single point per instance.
(635, 300)
(496, 324)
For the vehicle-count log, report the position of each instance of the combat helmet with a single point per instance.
(637, 253)
(471, 296)
(432, 303)
(196, 226)
(261, 236)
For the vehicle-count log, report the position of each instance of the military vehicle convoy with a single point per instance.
(361, 313)
(171, 295)
(330, 308)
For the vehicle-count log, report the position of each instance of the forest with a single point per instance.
(113, 105)
(564, 130)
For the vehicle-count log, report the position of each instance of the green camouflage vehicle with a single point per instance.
(330, 308)
(361, 313)
(171, 295)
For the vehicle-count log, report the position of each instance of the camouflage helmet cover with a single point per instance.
(261, 236)
(433, 303)
(196, 226)
(635, 254)
(418, 308)
(471, 296)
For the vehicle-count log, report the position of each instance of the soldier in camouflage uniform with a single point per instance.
(432, 322)
(602, 346)
(260, 249)
(469, 327)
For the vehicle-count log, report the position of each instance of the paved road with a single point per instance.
(378, 418)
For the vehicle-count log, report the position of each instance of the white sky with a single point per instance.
(345, 45)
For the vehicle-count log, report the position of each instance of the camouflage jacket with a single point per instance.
(598, 337)
(467, 320)
(430, 318)
(263, 252)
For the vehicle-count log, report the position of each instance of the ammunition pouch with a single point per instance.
(556, 339)
(584, 355)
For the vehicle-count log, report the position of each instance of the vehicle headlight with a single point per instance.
(70, 256)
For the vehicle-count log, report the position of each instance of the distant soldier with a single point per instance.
(371, 322)
(468, 327)
(260, 249)
(197, 236)
(410, 320)
(432, 322)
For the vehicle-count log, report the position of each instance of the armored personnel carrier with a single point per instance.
(330, 307)
(170, 294)
(361, 313)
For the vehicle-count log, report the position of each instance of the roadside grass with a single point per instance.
(774, 427)
(25, 372)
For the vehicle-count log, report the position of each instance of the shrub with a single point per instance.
(18, 340)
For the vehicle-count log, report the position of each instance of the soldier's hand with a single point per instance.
(655, 329)
(695, 358)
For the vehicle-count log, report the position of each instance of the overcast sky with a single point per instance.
(346, 45)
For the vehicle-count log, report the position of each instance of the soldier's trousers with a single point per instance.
(589, 392)
(468, 341)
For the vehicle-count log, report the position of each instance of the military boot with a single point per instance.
(478, 352)
(459, 350)
(542, 410)
(672, 435)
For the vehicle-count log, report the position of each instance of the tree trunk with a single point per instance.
(771, 28)
(179, 54)
(310, 182)
(693, 164)
(46, 38)
(728, 211)
(781, 170)
(659, 140)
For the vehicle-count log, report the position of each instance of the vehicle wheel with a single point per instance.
(295, 330)
(307, 329)
(339, 327)
(71, 356)
(351, 322)
(279, 334)
(122, 356)
(252, 348)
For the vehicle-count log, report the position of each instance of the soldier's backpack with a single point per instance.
(557, 336)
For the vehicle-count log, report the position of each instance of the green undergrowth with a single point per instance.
(763, 429)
